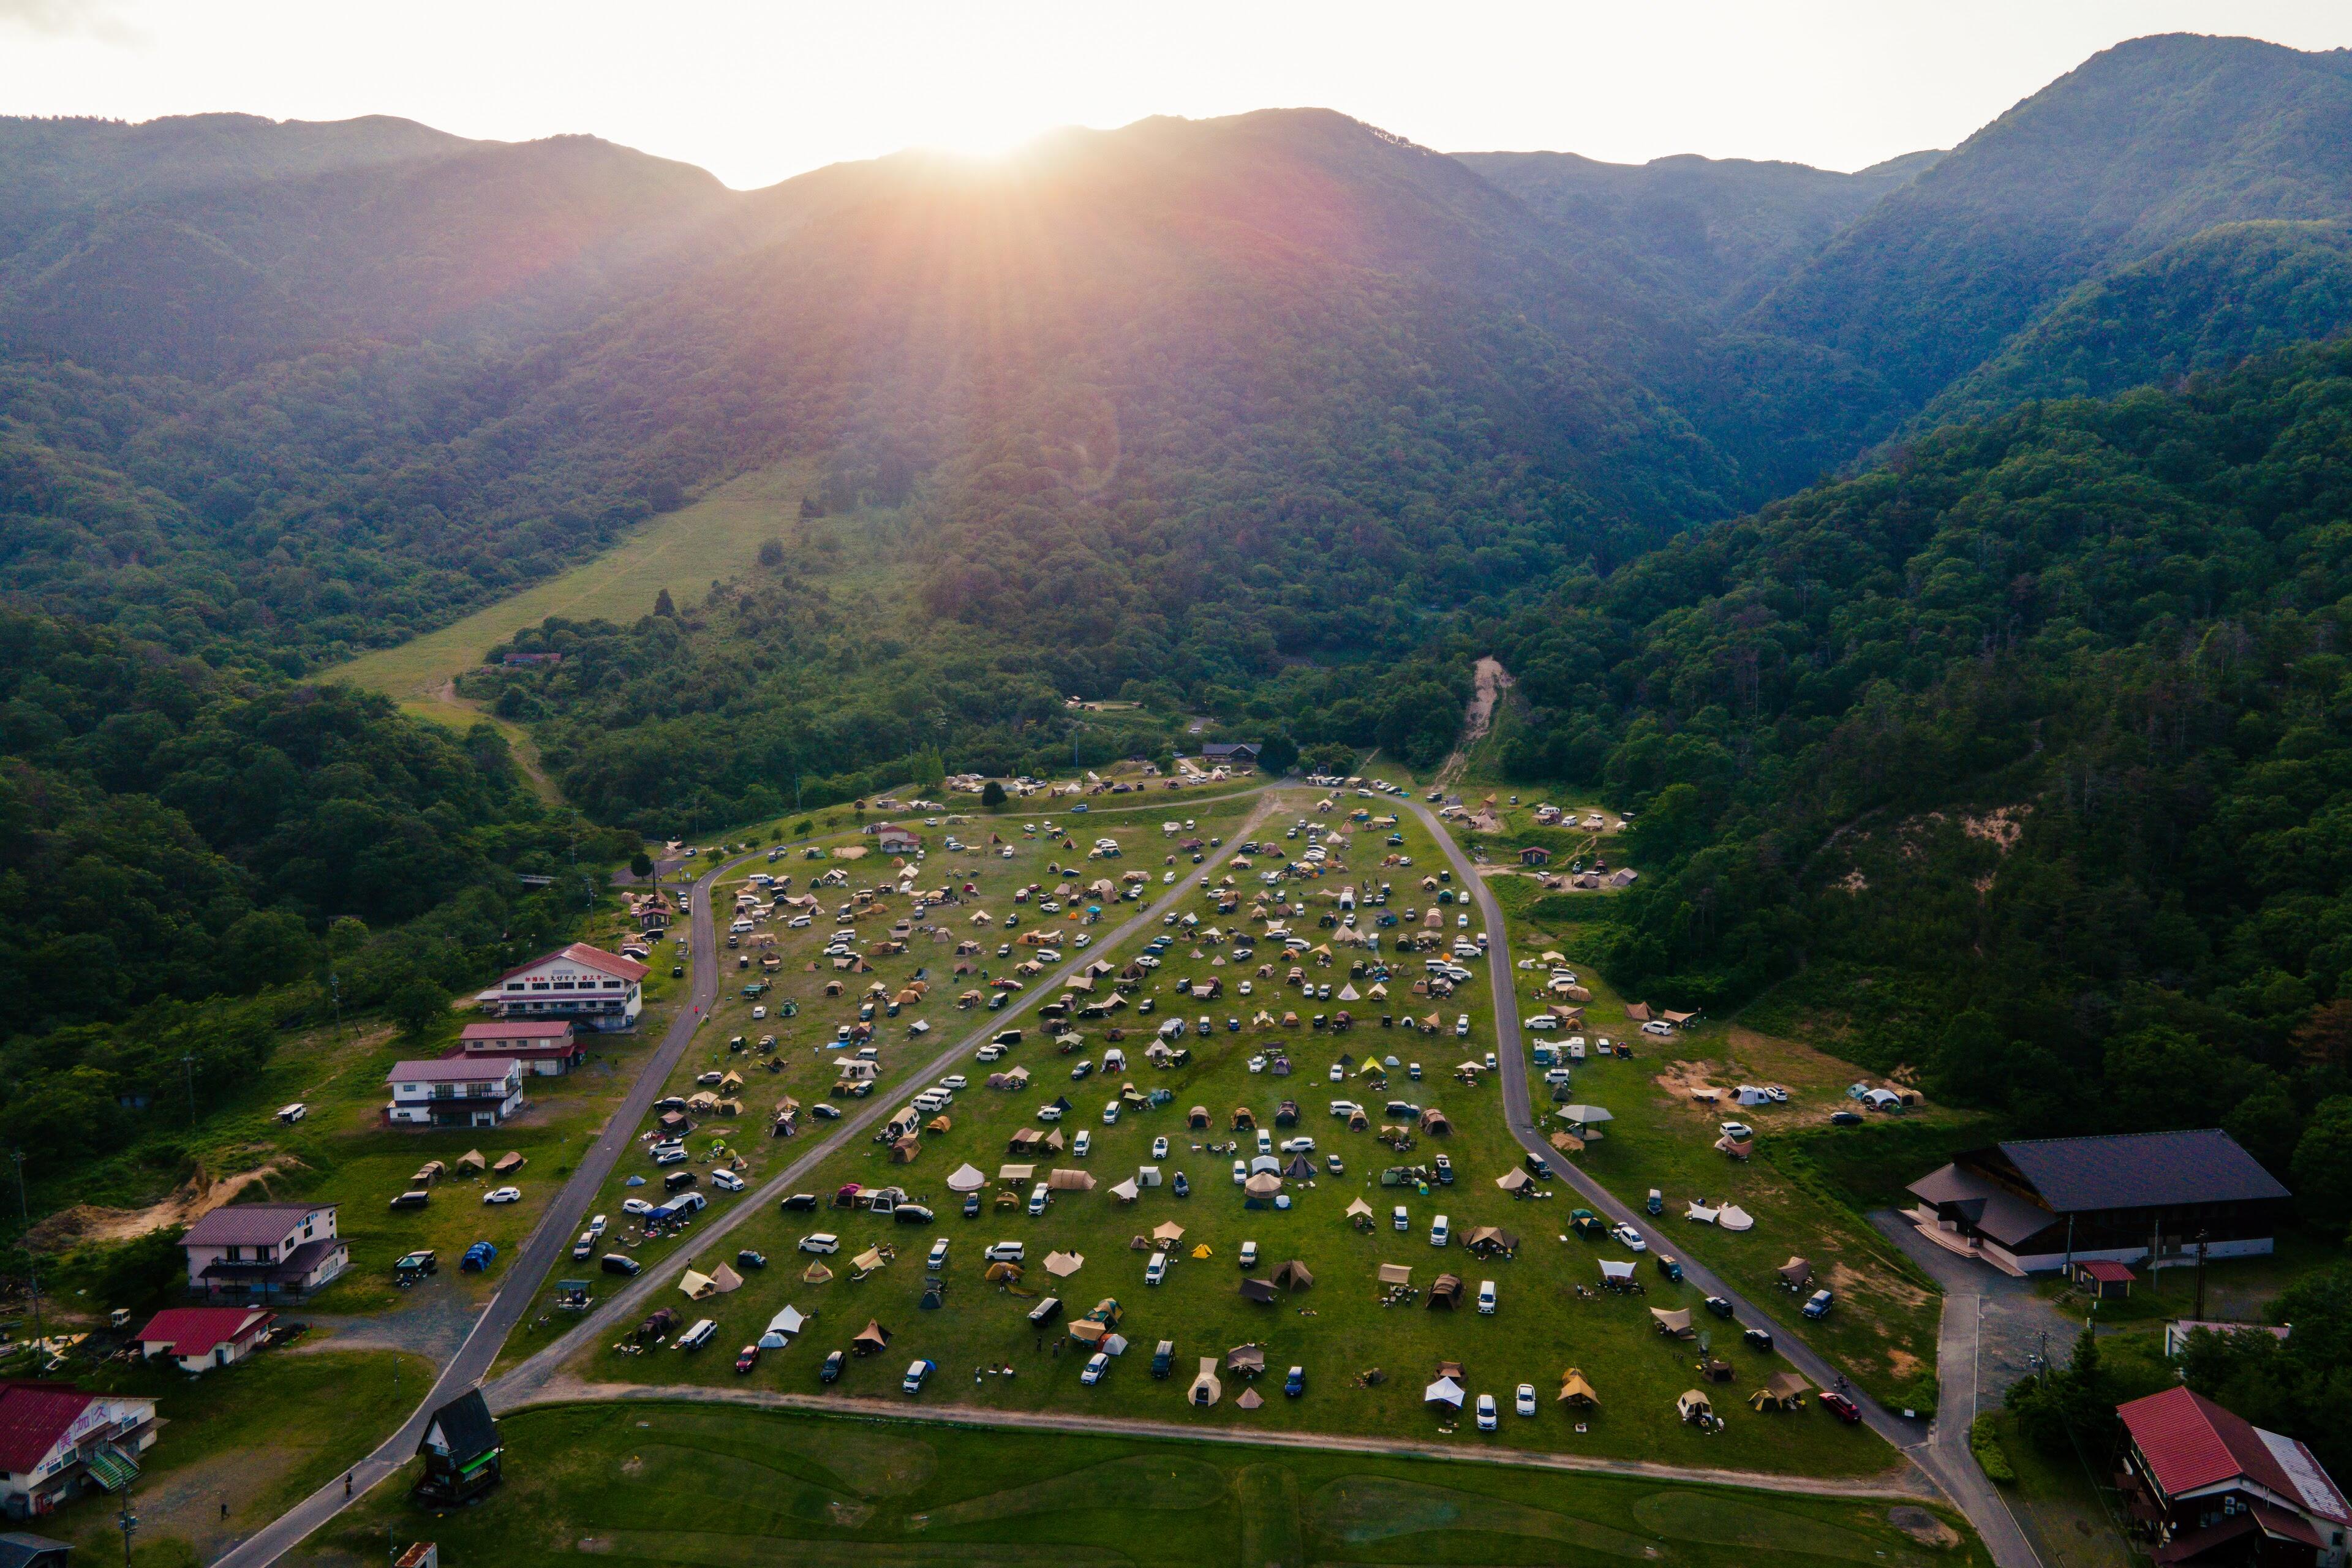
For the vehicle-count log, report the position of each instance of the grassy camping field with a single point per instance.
(806, 1053)
(727, 1487)
(1337, 1329)
(716, 537)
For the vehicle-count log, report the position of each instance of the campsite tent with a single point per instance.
(1795, 1273)
(725, 1279)
(1782, 1391)
(1264, 1184)
(1126, 1192)
(1062, 1180)
(1692, 1406)
(1575, 1390)
(1250, 1399)
(1247, 1361)
(873, 1337)
(1673, 1322)
(1000, 1272)
(1700, 1212)
(471, 1163)
(1445, 1292)
(1300, 1169)
(1515, 1181)
(966, 1178)
(868, 1261)
(1444, 1393)
(1616, 1272)
(1258, 1291)
(1062, 1265)
(1734, 1217)
(1396, 1273)
(1170, 1234)
(1205, 1389)
(1360, 1212)
(815, 1274)
(1292, 1275)
(697, 1286)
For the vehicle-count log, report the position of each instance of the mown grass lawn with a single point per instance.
(256, 1435)
(700, 1485)
(805, 1052)
(1336, 1330)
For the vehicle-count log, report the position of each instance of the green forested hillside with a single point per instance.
(2025, 758)
(2200, 305)
(2144, 144)
(168, 836)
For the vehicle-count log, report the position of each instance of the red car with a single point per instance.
(1837, 1403)
(750, 1358)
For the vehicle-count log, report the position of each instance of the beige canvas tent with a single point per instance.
(509, 1163)
(870, 1339)
(815, 1274)
(1062, 1265)
(1002, 1272)
(1205, 1390)
(1782, 1391)
(1693, 1406)
(1673, 1322)
(1018, 1175)
(1069, 1181)
(725, 1279)
(1360, 1212)
(1396, 1273)
(1515, 1181)
(1795, 1273)
(1575, 1390)
(1247, 1361)
(1264, 1184)
(472, 1164)
(1126, 1192)
(1250, 1400)
(1292, 1275)
(966, 1178)
(868, 1261)
(697, 1286)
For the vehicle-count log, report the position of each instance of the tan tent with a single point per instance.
(1575, 1390)
(1795, 1273)
(724, 1279)
(1514, 1180)
(1086, 1331)
(816, 1274)
(697, 1286)
(1360, 1212)
(1445, 1290)
(471, 1163)
(1055, 1141)
(868, 1261)
(1396, 1273)
(1205, 1390)
(1674, 1322)
(1264, 1184)
(511, 1161)
(873, 1337)
(1249, 1400)
(1126, 1192)
(1062, 1180)
(1169, 1234)
(904, 1151)
(1782, 1391)
(938, 1125)
(1292, 1275)
(966, 1178)
(1247, 1359)
(1016, 1174)
(1001, 1271)
(1062, 1265)
(1692, 1406)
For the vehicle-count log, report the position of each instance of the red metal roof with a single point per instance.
(198, 1331)
(519, 1029)
(587, 957)
(2191, 1443)
(2106, 1270)
(34, 1417)
(249, 1225)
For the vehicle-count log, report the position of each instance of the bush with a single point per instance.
(1984, 1442)
(1918, 1396)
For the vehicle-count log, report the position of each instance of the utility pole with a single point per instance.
(188, 1065)
(335, 990)
(2200, 1314)
(129, 1523)
(32, 1268)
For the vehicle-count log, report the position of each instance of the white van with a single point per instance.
(1440, 1232)
(701, 1334)
(1487, 1297)
(1110, 1114)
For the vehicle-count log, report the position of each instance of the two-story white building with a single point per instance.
(593, 988)
(264, 1252)
(57, 1441)
(463, 1090)
(547, 1046)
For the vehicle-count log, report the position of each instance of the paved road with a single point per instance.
(565, 1391)
(517, 1384)
(547, 1244)
(1949, 1465)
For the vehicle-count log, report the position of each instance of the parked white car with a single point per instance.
(503, 1195)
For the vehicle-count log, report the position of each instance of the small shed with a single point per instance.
(461, 1452)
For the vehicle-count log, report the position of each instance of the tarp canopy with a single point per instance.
(868, 1261)
(1170, 1232)
(791, 1320)
(1360, 1209)
(1699, 1211)
(1000, 1271)
(1610, 1268)
(1446, 1391)
(1292, 1275)
(1062, 1265)
(1396, 1273)
(1245, 1359)
(1016, 1172)
(1575, 1390)
(1795, 1272)
(1675, 1321)
(698, 1286)
(1086, 1331)
(966, 1178)
(1588, 1115)
(1126, 1192)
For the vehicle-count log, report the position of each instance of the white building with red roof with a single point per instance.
(200, 1338)
(590, 987)
(2210, 1487)
(57, 1441)
(546, 1046)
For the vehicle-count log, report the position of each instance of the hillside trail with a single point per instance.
(1491, 680)
(518, 745)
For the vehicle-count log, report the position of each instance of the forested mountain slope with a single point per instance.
(2145, 144)
(2027, 756)
(1711, 235)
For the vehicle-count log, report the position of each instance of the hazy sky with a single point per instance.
(756, 92)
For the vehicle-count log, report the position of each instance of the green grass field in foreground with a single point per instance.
(716, 537)
(684, 1484)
